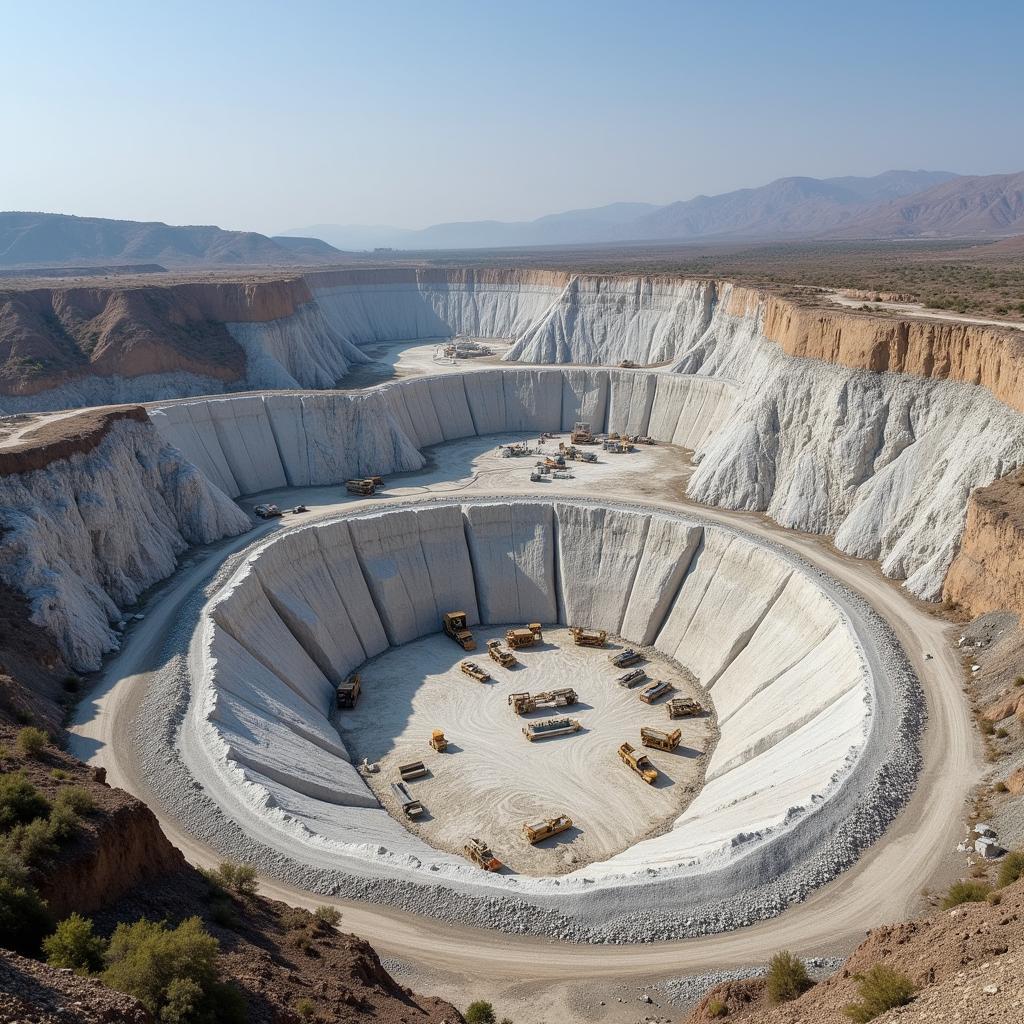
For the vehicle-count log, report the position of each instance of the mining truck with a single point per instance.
(683, 707)
(627, 364)
(474, 671)
(455, 626)
(525, 636)
(521, 703)
(547, 728)
(412, 807)
(630, 679)
(639, 763)
(366, 486)
(543, 828)
(412, 770)
(348, 692)
(589, 637)
(624, 658)
(650, 693)
(505, 658)
(660, 740)
(267, 511)
(581, 434)
(440, 744)
(480, 854)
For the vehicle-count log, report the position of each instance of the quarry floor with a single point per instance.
(491, 778)
(534, 979)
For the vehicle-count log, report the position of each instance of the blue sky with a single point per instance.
(272, 116)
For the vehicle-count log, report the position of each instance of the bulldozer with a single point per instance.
(639, 763)
(683, 707)
(348, 691)
(660, 740)
(624, 658)
(535, 831)
(554, 461)
(522, 703)
(631, 678)
(474, 671)
(650, 693)
(505, 658)
(548, 728)
(588, 637)
(439, 742)
(455, 626)
(480, 854)
(581, 434)
(525, 636)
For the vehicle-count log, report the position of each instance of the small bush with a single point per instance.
(1002, 733)
(59, 775)
(294, 920)
(965, 892)
(20, 801)
(480, 1012)
(237, 878)
(716, 1008)
(24, 919)
(222, 912)
(880, 989)
(77, 799)
(330, 916)
(305, 1009)
(994, 898)
(1001, 787)
(787, 977)
(33, 844)
(1019, 681)
(1012, 868)
(31, 742)
(986, 727)
(74, 945)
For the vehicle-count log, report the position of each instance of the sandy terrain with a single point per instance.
(491, 779)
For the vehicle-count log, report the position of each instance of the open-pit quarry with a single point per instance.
(796, 452)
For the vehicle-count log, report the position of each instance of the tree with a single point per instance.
(787, 977)
(75, 945)
(480, 1012)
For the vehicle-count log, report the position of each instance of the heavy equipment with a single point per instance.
(546, 728)
(588, 637)
(454, 624)
(412, 770)
(480, 854)
(581, 434)
(644, 439)
(437, 741)
(521, 703)
(348, 691)
(412, 807)
(505, 658)
(587, 456)
(267, 511)
(660, 740)
(620, 659)
(524, 636)
(627, 364)
(631, 678)
(535, 831)
(365, 486)
(639, 763)
(683, 707)
(474, 671)
(554, 461)
(650, 693)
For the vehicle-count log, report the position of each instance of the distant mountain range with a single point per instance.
(48, 239)
(893, 204)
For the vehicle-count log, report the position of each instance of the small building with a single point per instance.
(988, 848)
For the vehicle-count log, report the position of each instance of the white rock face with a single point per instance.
(784, 664)
(90, 533)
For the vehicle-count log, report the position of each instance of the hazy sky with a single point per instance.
(272, 116)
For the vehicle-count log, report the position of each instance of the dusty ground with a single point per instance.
(491, 779)
(394, 359)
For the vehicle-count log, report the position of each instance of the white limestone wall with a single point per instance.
(784, 664)
(86, 535)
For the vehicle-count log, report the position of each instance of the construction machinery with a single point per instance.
(438, 741)
(515, 450)
(522, 703)
(581, 434)
(365, 486)
(480, 854)
(455, 625)
(554, 461)
(624, 658)
(660, 740)
(544, 828)
(639, 763)
(412, 770)
(298, 510)
(627, 364)
(524, 636)
(267, 511)
(586, 456)
(411, 806)
(630, 679)
(644, 439)
(548, 728)
(505, 658)
(683, 707)
(474, 671)
(588, 637)
(348, 691)
(650, 693)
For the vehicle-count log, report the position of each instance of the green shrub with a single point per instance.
(59, 775)
(1012, 867)
(994, 898)
(222, 912)
(172, 972)
(965, 892)
(24, 919)
(1002, 734)
(880, 989)
(20, 801)
(480, 1012)
(74, 945)
(716, 1008)
(305, 1009)
(787, 977)
(77, 799)
(237, 878)
(330, 916)
(31, 742)
(1000, 787)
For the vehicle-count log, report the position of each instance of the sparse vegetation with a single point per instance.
(880, 989)
(787, 977)
(20, 801)
(75, 945)
(31, 742)
(716, 1008)
(1012, 868)
(305, 1009)
(329, 916)
(77, 799)
(480, 1012)
(239, 879)
(965, 892)
(24, 919)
